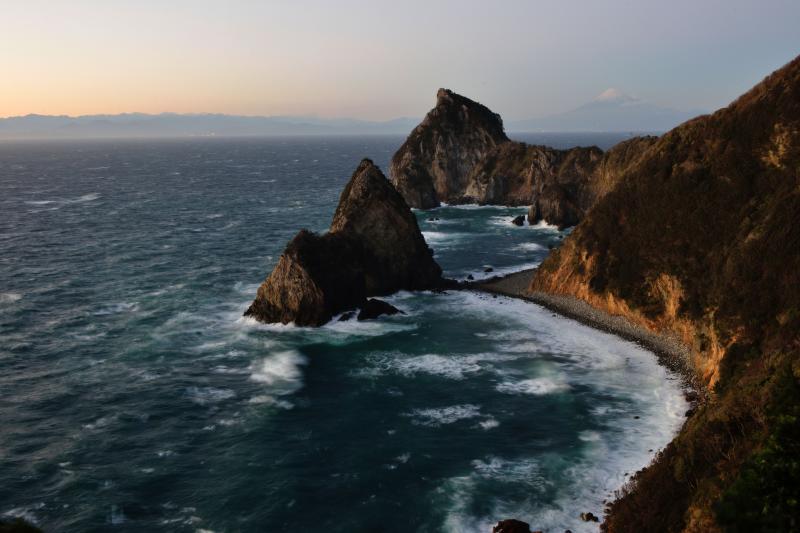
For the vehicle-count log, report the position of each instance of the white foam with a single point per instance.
(542, 225)
(590, 436)
(529, 247)
(535, 386)
(281, 371)
(10, 297)
(443, 238)
(523, 471)
(266, 399)
(207, 395)
(85, 198)
(448, 366)
(489, 423)
(117, 308)
(444, 415)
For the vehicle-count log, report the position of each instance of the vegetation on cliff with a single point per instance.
(699, 237)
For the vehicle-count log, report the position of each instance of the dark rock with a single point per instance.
(519, 220)
(17, 525)
(433, 219)
(347, 316)
(512, 526)
(374, 247)
(488, 269)
(374, 308)
(470, 277)
(436, 159)
(589, 517)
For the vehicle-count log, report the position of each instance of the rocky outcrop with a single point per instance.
(434, 163)
(698, 237)
(374, 247)
(512, 526)
(373, 308)
(460, 154)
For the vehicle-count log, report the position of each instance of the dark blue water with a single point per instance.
(134, 396)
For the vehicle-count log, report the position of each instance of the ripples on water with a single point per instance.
(134, 396)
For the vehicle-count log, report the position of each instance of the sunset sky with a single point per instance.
(379, 60)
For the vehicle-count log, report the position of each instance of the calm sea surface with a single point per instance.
(135, 397)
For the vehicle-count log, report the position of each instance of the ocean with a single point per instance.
(135, 397)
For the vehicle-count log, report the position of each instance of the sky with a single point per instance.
(378, 60)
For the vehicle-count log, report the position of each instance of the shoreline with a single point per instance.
(669, 351)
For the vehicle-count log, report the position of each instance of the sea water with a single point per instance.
(135, 397)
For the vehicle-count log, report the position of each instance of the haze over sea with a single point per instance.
(135, 397)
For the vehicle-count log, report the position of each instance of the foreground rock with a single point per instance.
(700, 239)
(374, 247)
(460, 154)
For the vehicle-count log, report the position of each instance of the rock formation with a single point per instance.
(699, 236)
(435, 161)
(460, 154)
(374, 247)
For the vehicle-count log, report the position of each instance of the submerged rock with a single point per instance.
(589, 517)
(512, 526)
(518, 220)
(374, 247)
(17, 525)
(373, 308)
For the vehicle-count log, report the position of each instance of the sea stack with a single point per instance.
(434, 163)
(374, 247)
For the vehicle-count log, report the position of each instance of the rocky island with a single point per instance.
(460, 154)
(374, 247)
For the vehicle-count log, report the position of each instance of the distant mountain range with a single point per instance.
(134, 125)
(611, 111)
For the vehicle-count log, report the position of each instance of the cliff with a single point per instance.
(698, 237)
(460, 154)
(374, 247)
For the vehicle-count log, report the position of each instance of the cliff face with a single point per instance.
(435, 161)
(460, 154)
(699, 236)
(374, 247)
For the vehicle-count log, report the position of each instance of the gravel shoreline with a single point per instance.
(669, 350)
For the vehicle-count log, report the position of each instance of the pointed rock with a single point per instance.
(436, 159)
(374, 247)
